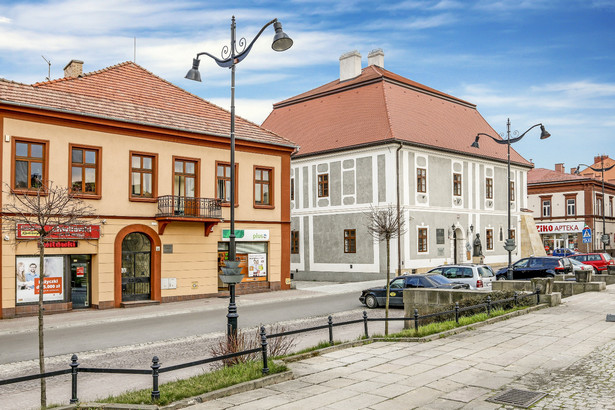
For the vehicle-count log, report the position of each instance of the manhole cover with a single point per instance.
(516, 397)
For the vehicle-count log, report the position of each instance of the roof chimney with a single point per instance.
(376, 57)
(350, 65)
(73, 69)
(560, 168)
(599, 158)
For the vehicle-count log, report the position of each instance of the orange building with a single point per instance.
(153, 160)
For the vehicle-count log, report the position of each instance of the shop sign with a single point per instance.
(28, 231)
(560, 227)
(257, 265)
(80, 271)
(61, 244)
(247, 235)
(28, 279)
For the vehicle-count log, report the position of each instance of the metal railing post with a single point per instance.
(515, 299)
(416, 320)
(365, 324)
(330, 330)
(488, 305)
(74, 372)
(457, 312)
(155, 366)
(264, 350)
(537, 297)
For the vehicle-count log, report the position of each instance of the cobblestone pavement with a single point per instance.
(567, 351)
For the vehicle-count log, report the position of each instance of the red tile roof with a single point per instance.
(543, 175)
(128, 93)
(380, 106)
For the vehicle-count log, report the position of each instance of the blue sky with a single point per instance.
(549, 61)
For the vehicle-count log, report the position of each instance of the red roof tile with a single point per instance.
(127, 92)
(378, 106)
(543, 175)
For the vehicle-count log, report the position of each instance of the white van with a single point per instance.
(477, 276)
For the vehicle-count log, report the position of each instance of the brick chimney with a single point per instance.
(350, 65)
(599, 158)
(376, 57)
(560, 168)
(73, 69)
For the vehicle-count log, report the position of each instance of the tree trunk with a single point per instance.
(386, 307)
(41, 339)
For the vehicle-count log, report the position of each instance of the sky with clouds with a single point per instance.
(549, 61)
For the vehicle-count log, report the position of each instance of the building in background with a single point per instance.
(373, 138)
(153, 160)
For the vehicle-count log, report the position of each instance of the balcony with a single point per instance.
(172, 208)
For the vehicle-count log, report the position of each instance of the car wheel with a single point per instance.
(502, 277)
(371, 302)
(595, 271)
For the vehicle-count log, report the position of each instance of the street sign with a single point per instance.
(587, 235)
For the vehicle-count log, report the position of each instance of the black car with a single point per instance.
(375, 297)
(536, 267)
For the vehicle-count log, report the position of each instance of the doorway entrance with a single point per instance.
(80, 269)
(458, 248)
(136, 267)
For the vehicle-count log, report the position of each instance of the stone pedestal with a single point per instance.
(543, 285)
(583, 276)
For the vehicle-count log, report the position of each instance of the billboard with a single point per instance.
(28, 279)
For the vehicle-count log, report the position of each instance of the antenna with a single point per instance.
(134, 60)
(49, 68)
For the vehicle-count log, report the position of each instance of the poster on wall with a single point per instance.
(257, 265)
(28, 279)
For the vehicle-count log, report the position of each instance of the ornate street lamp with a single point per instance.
(510, 243)
(605, 238)
(231, 56)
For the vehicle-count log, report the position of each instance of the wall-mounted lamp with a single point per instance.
(104, 222)
(6, 237)
(471, 228)
(501, 234)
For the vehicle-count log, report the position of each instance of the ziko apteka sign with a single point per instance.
(560, 227)
(28, 231)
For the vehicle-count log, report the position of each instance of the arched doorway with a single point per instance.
(136, 267)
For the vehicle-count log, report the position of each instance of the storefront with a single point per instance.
(252, 251)
(557, 235)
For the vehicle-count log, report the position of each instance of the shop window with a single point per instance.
(489, 236)
(457, 184)
(323, 185)
(85, 171)
(571, 207)
(294, 242)
(143, 176)
(422, 240)
(512, 191)
(223, 182)
(30, 159)
(263, 187)
(546, 208)
(421, 180)
(489, 188)
(253, 260)
(350, 241)
(185, 177)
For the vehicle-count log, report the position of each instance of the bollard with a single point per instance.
(330, 330)
(457, 312)
(74, 371)
(365, 324)
(488, 305)
(264, 350)
(155, 366)
(416, 320)
(515, 299)
(537, 297)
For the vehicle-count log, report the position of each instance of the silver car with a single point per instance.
(475, 275)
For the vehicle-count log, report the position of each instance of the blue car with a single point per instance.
(563, 252)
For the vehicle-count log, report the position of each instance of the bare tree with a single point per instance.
(48, 211)
(386, 224)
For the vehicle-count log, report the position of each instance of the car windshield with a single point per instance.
(576, 262)
(438, 279)
(522, 263)
(485, 271)
(607, 257)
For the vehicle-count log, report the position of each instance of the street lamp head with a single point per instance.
(194, 73)
(577, 171)
(281, 41)
(475, 143)
(544, 134)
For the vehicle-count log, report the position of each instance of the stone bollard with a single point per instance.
(543, 285)
(583, 276)
(611, 269)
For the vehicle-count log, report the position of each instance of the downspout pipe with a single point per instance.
(398, 209)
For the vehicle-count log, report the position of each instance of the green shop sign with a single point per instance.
(247, 235)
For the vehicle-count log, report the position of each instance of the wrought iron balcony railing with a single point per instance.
(170, 206)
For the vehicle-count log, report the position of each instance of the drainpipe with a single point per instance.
(398, 209)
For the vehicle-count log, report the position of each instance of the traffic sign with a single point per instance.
(587, 235)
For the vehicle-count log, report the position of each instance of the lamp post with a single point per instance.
(510, 243)
(605, 237)
(230, 57)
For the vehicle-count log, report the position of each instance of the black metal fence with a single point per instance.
(156, 368)
(173, 205)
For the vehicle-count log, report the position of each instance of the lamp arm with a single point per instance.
(526, 131)
(599, 169)
(498, 140)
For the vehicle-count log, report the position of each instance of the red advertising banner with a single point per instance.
(50, 285)
(26, 231)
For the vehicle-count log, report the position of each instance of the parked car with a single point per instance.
(475, 275)
(579, 266)
(375, 297)
(563, 252)
(536, 267)
(599, 260)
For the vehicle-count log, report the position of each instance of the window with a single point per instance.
(512, 191)
(143, 168)
(571, 208)
(85, 170)
(598, 204)
(610, 206)
(546, 208)
(489, 237)
(421, 180)
(223, 182)
(350, 241)
(323, 185)
(292, 189)
(263, 187)
(30, 164)
(294, 241)
(489, 188)
(457, 184)
(185, 177)
(512, 234)
(422, 240)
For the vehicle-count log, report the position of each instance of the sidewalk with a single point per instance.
(567, 352)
